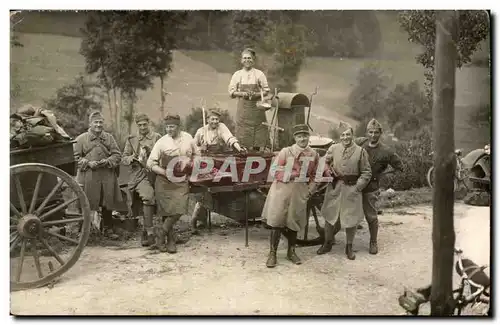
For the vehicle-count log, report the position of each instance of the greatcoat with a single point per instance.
(343, 199)
(286, 202)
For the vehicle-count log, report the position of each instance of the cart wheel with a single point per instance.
(310, 237)
(34, 226)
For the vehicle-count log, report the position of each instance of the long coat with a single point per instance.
(101, 184)
(345, 201)
(286, 202)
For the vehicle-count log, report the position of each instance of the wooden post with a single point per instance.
(443, 115)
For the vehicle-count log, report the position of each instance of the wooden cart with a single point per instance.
(243, 202)
(49, 215)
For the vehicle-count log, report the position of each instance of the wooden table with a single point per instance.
(236, 187)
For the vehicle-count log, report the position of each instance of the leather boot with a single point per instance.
(199, 214)
(160, 240)
(329, 240)
(350, 233)
(291, 236)
(274, 241)
(148, 237)
(168, 227)
(373, 227)
(349, 252)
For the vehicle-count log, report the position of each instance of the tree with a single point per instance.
(473, 27)
(72, 104)
(289, 42)
(407, 110)
(127, 49)
(248, 29)
(367, 99)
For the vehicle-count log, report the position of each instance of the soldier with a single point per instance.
(286, 203)
(380, 156)
(140, 179)
(343, 204)
(214, 137)
(171, 194)
(99, 159)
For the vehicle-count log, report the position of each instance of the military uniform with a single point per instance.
(380, 156)
(141, 180)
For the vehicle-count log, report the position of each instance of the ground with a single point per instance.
(215, 274)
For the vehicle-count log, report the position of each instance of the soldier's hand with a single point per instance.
(127, 160)
(93, 164)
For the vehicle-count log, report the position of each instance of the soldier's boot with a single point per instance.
(168, 226)
(330, 232)
(107, 223)
(160, 240)
(291, 236)
(274, 241)
(350, 232)
(148, 237)
(373, 227)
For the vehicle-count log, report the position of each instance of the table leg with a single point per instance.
(209, 220)
(246, 218)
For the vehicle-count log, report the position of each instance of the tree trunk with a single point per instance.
(443, 116)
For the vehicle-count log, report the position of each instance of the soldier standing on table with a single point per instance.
(285, 209)
(380, 156)
(171, 194)
(98, 159)
(343, 206)
(141, 180)
(213, 137)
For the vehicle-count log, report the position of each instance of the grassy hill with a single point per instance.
(48, 61)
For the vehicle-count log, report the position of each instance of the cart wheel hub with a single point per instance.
(29, 226)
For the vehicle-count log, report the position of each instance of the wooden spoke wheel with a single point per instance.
(46, 239)
(313, 235)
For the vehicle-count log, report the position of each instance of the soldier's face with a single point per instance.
(97, 125)
(172, 130)
(302, 139)
(247, 60)
(346, 137)
(143, 127)
(213, 121)
(374, 135)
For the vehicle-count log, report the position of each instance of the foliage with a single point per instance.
(416, 162)
(248, 29)
(481, 117)
(367, 98)
(72, 104)
(194, 120)
(473, 27)
(289, 42)
(108, 38)
(407, 110)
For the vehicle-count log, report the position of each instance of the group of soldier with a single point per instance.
(355, 165)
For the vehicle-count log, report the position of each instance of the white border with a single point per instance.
(147, 4)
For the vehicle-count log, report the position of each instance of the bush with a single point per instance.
(416, 162)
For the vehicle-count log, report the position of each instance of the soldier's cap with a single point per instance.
(141, 117)
(172, 119)
(374, 124)
(214, 111)
(343, 126)
(95, 115)
(300, 128)
(249, 51)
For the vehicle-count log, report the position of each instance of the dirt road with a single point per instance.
(215, 274)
